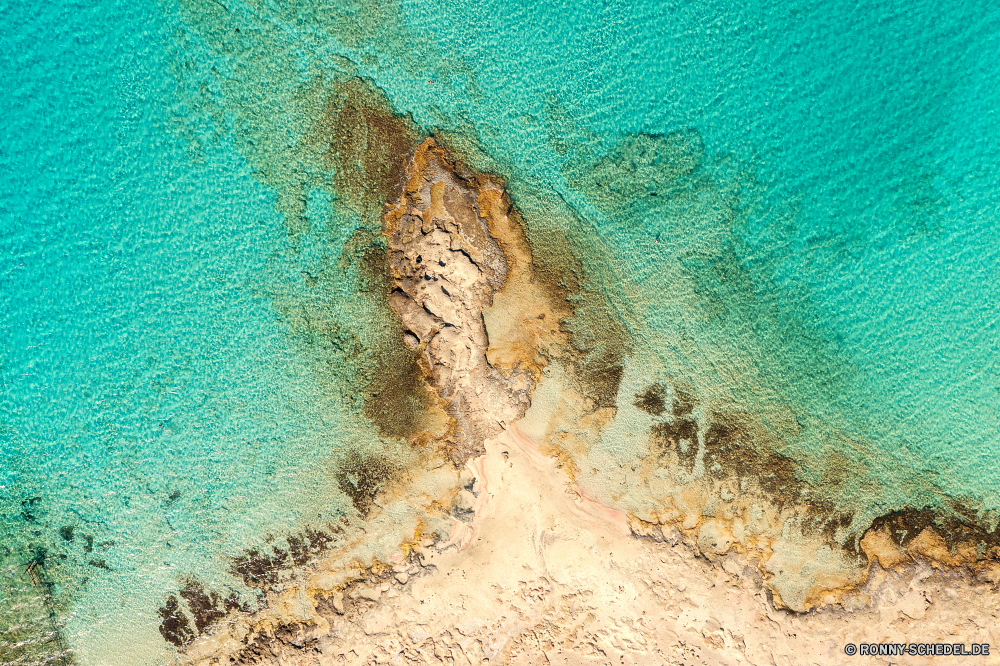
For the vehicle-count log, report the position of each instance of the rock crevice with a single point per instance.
(446, 237)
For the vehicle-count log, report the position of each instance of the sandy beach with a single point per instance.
(540, 574)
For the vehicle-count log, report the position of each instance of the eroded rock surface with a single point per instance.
(563, 580)
(448, 263)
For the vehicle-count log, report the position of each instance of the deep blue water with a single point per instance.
(847, 180)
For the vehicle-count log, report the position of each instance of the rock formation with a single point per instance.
(511, 562)
(453, 246)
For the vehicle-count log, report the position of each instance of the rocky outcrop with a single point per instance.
(511, 560)
(454, 246)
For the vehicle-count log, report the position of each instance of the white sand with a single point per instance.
(544, 575)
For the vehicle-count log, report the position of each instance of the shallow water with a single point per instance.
(859, 253)
(820, 251)
(155, 399)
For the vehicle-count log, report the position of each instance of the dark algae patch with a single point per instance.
(207, 607)
(681, 433)
(397, 398)
(361, 477)
(259, 569)
(366, 142)
(304, 547)
(651, 400)
(738, 448)
(200, 607)
(175, 627)
(28, 509)
(729, 442)
(733, 447)
(262, 570)
(99, 564)
(956, 527)
(603, 379)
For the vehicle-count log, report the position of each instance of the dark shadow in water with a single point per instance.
(259, 570)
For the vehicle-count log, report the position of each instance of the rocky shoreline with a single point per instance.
(514, 563)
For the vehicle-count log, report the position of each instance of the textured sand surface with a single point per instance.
(543, 575)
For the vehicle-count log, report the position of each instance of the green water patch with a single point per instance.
(642, 175)
(197, 452)
(315, 132)
(306, 122)
(672, 216)
(641, 234)
(684, 224)
(333, 149)
(45, 567)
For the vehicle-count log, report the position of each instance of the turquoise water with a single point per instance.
(822, 250)
(154, 399)
(859, 138)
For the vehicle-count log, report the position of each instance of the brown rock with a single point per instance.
(878, 545)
